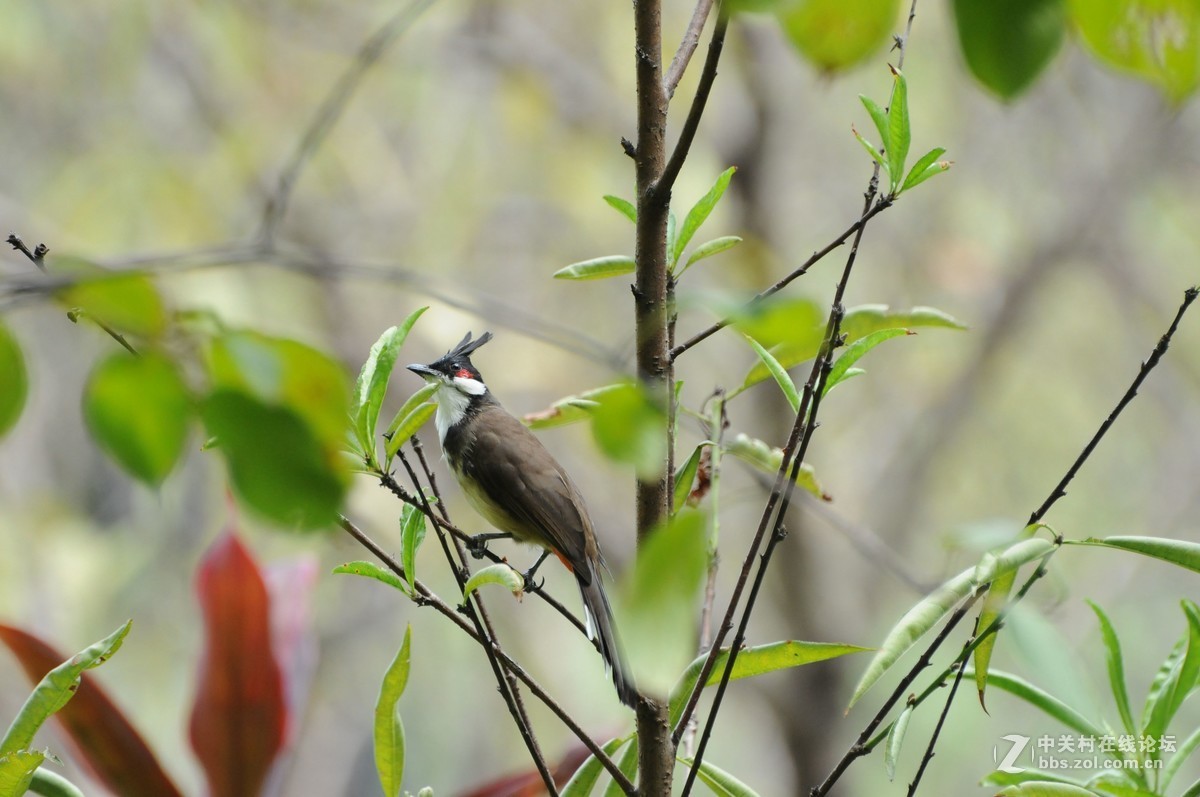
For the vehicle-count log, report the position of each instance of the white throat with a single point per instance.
(453, 398)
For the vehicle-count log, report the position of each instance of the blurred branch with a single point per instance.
(37, 256)
(937, 729)
(330, 112)
(428, 598)
(691, 39)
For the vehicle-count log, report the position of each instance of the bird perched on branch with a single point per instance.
(511, 479)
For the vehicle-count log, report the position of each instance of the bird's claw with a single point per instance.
(477, 546)
(532, 584)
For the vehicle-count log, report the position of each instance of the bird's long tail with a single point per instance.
(601, 627)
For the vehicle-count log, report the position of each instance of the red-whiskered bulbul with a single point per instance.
(511, 479)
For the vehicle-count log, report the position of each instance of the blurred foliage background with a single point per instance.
(467, 167)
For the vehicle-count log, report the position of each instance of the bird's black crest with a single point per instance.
(467, 347)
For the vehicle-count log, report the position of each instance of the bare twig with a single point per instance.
(37, 256)
(937, 729)
(691, 39)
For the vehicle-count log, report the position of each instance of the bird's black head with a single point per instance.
(455, 368)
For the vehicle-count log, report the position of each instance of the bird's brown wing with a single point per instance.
(518, 475)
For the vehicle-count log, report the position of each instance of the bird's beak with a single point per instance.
(423, 371)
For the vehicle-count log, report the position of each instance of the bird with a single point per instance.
(509, 478)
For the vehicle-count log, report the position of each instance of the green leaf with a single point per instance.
(1175, 680)
(684, 476)
(721, 782)
(1045, 788)
(1116, 669)
(628, 767)
(56, 689)
(916, 176)
(895, 740)
(425, 393)
(767, 460)
(752, 661)
(631, 428)
(700, 213)
(276, 464)
(501, 573)
(672, 231)
(14, 381)
(835, 34)
(1178, 552)
(855, 351)
(622, 206)
(993, 603)
(125, 302)
(372, 570)
(870, 148)
(659, 600)
(709, 248)
(880, 118)
(51, 784)
(16, 771)
(137, 409)
(1185, 749)
(372, 383)
(777, 371)
(408, 427)
(777, 321)
(585, 778)
(389, 731)
(899, 131)
(597, 268)
(570, 409)
(912, 626)
(1040, 699)
(412, 534)
(1007, 45)
(1156, 40)
(998, 778)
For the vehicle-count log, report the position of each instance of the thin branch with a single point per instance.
(78, 312)
(37, 256)
(330, 112)
(691, 39)
(799, 271)
(937, 729)
(426, 597)
(687, 134)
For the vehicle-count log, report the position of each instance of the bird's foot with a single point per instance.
(478, 545)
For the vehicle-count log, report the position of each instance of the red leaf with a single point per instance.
(529, 784)
(239, 718)
(100, 734)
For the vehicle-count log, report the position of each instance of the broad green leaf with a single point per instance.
(777, 371)
(659, 600)
(768, 460)
(1045, 788)
(570, 409)
(585, 778)
(721, 782)
(895, 740)
(899, 131)
(1157, 40)
(1175, 680)
(924, 164)
(501, 573)
(700, 213)
(408, 427)
(138, 409)
(776, 321)
(276, 464)
(912, 626)
(372, 570)
(389, 730)
(709, 248)
(835, 34)
(1182, 751)
(597, 268)
(17, 769)
(880, 118)
(684, 476)
(855, 351)
(1007, 45)
(1116, 669)
(371, 387)
(56, 689)
(871, 150)
(622, 206)
(51, 784)
(757, 660)
(1184, 553)
(126, 302)
(628, 767)
(14, 381)
(1040, 699)
(412, 534)
(629, 427)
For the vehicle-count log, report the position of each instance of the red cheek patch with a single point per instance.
(463, 373)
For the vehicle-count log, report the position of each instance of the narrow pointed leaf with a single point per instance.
(871, 150)
(777, 371)
(389, 730)
(1182, 752)
(998, 778)
(622, 206)
(1179, 552)
(1018, 687)
(585, 778)
(672, 232)
(684, 476)
(16, 771)
(923, 163)
(372, 382)
(14, 380)
(709, 248)
(899, 132)
(915, 177)
(408, 427)
(721, 782)
(570, 409)
(1181, 679)
(52, 784)
(1044, 788)
(864, 319)
(880, 118)
(501, 573)
(412, 534)
(597, 268)
(700, 212)
(99, 732)
(628, 767)
(768, 460)
(239, 717)
(411, 403)
(993, 603)
(56, 688)
(372, 570)
(895, 740)
(1116, 669)
(855, 351)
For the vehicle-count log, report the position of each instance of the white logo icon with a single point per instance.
(1010, 758)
